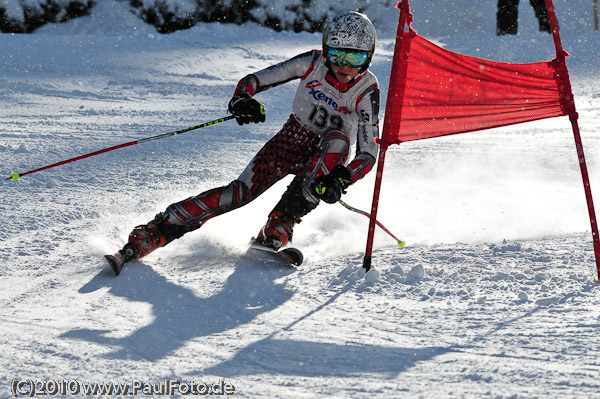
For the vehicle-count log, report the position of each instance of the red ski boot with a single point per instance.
(277, 232)
(142, 240)
(272, 242)
(146, 239)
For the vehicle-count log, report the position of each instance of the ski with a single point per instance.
(119, 259)
(288, 256)
(116, 262)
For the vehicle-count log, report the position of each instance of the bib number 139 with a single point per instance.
(320, 117)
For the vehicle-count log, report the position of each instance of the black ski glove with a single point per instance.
(330, 187)
(246, 109)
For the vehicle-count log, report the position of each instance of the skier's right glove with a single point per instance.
(330, 187)
(246, 109)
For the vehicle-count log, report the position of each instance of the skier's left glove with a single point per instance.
(246, 109)
(330, 187)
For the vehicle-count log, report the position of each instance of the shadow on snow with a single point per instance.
(179, 316)
(318, 359)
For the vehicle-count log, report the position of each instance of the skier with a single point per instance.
(336, 105)
(507, 18)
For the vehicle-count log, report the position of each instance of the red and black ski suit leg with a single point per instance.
(293, 150)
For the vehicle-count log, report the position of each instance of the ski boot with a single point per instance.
(142, 240)
(277, 232)
(273, 239)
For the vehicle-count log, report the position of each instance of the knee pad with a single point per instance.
(333, 150)
(191, 213)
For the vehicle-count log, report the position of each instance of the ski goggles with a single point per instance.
(345, 58)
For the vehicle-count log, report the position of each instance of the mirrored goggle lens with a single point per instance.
(347, 58)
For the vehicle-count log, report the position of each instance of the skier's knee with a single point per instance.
(191, 213)
(333, 151)
(335, 143)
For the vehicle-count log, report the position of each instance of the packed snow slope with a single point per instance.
(495, 295)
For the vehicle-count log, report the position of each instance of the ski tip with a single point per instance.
(295, 255)
(401, 243)
(114, 263)
(13, 177)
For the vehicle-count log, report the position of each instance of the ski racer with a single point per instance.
(335, 107)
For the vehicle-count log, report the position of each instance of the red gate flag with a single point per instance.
(447, 93)
(434, 92)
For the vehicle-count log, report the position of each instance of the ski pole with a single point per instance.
(15, 176)
(399, 241)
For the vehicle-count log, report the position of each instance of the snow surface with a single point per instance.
(494, 296)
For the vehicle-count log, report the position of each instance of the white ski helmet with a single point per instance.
(350, 30)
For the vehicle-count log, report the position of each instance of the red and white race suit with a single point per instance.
(328, 118)
(322, 104)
